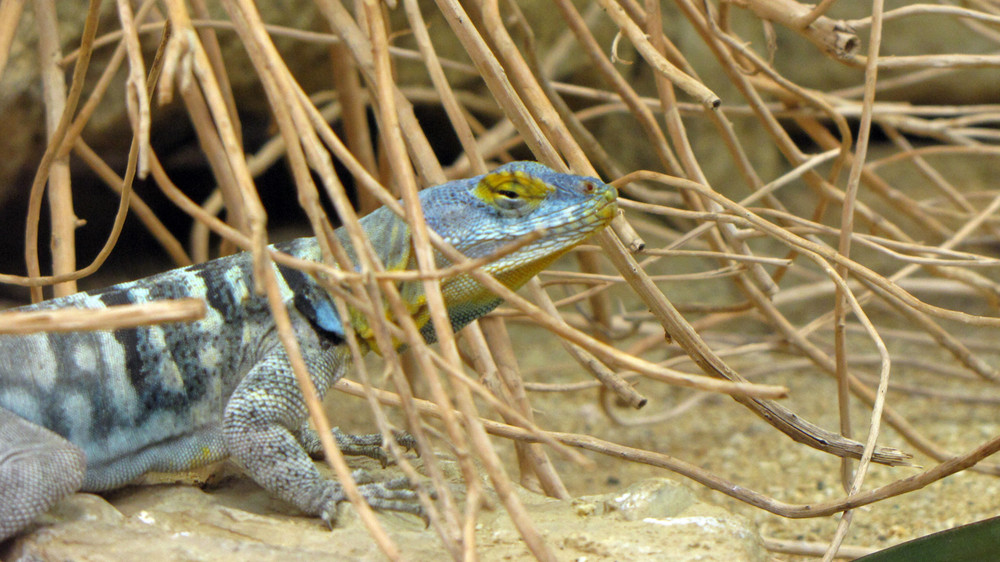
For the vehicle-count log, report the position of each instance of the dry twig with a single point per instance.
(751, 217)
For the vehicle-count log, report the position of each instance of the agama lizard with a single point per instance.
(94, 410)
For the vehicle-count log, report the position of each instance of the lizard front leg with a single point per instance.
(261, 424)
(37, 469)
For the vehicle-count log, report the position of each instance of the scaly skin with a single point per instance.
(94, 410)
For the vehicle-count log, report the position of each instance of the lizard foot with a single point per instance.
(396, 494)
(370, 445)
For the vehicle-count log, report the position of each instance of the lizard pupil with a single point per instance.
(507, 193)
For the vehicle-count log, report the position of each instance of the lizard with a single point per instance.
(93, 411)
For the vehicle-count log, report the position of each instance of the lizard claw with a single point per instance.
(396, 494)
(405, 440)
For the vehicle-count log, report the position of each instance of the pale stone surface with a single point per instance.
(655, 519)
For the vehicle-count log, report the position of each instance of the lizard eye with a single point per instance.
(510, 202)
(512, 193)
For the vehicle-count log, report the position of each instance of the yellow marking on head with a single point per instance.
(512, 191)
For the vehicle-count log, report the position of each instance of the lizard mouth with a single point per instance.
(605, 206)
(598, 213)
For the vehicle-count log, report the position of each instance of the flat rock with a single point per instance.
(655, 519)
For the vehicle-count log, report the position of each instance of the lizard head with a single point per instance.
(483, 214)
(480, 216)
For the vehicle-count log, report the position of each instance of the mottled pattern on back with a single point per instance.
(118, 393)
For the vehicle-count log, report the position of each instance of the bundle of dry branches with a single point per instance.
(834, 251)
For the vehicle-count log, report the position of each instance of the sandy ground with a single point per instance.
(723, 437)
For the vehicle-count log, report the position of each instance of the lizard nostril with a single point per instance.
(588, 188)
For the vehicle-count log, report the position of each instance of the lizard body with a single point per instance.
(94, 410)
